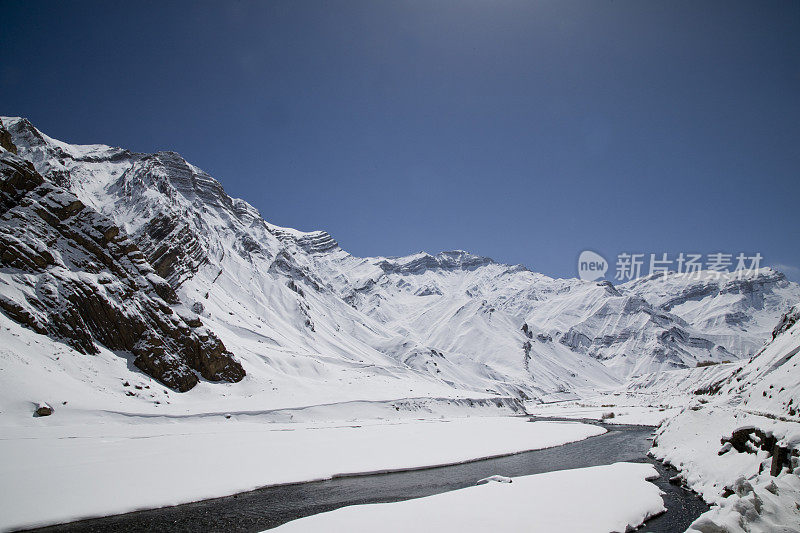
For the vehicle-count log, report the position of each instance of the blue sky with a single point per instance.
(524, 131)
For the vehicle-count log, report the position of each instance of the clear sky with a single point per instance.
(525, 131)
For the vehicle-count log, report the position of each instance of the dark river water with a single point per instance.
(270, 507)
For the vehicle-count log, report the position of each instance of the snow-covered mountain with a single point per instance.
(305, 318)
(68, 272)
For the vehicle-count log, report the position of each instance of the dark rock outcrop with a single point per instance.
(76, 276)
(750, 439)
(43, 409)
(5, 139)
(788, 320)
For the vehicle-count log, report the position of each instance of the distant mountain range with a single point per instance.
(145, 254)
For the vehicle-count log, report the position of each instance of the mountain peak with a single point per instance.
(27, 136)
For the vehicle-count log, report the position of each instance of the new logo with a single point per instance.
(591, 266)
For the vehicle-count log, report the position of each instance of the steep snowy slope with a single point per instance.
(305, 318)
(769, 383)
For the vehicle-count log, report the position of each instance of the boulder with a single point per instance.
(42, 409)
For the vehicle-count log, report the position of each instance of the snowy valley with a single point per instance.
(153, 324)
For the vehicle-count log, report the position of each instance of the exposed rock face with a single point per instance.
(6, 141)
(174, 245)
(749, 440)
(788, 320)
(72, 274)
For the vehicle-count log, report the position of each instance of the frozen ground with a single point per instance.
(609, 409)
(55, 472)
(599, 499)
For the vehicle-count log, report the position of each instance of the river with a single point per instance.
(270, 507)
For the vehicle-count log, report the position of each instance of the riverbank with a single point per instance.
(270, 507)
(597, 499)
(54, 474)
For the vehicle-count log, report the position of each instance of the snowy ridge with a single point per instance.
(422, 261)
(315, 242)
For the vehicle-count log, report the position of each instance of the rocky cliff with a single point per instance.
(69, 272)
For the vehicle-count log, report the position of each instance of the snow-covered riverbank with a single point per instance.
(739, 482)
(58, 473)
(598, 499)
(739, 445)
